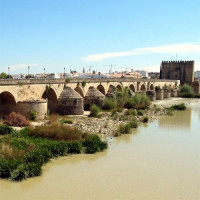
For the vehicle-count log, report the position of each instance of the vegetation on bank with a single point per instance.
(22, 153)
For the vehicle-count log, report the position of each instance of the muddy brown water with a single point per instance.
(160, 161)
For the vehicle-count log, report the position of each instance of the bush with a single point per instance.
(145, 119)
(197, 95)
(66, 121)
(179, 107)
(6, 130)
(33, 115)
(187, 91)
(92, 144)
(140, 112)
(83, 83)
(109, 104)
(124, 128)
(74, 147)
(16, 119)
(133, 124)
(157, 88)
(67, 80)
(95, 111)
(57, 132)
(138, 101)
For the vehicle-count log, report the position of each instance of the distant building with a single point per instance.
(143, 73)
(197, 74)
(126, 75)
(154, 75)
(92, 76)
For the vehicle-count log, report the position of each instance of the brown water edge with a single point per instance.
(160, 161)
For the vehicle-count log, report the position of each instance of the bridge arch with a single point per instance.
(8, 103)
(132, 87)
(51, 95)
(101, 89)
(119, 87)
(151, 86)
(143, 87)
(79, 90)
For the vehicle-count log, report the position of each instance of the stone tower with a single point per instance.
(178, 70)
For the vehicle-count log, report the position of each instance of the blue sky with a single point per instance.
(78, 33)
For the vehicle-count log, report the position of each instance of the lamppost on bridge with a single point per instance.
(8, 72)
(44, 72)
(28, 70)
(64, 72)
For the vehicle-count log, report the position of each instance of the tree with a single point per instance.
(3, 75)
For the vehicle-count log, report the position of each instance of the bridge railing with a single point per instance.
(76, 80)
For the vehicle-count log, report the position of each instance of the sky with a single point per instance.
(72, 34)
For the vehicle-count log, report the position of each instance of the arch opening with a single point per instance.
(52, 99)
(79, 90)
(7, 103)
(143, 88)
(119, 87)
(101, 89)
(151, 87)
(132, 87)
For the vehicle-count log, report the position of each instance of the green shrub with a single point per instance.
(179, 107)
(109, 104)
(66, 121)
(157, 88)
(33, 115)
(94, 111)
(133, 124)
(145, 119)
(187, 91)
(140, 112)
(140, 101)
(6, 130)
(124, 128)
(74, 147)
(92, 144)
(197, 95)
(83, 83)
(67, 80)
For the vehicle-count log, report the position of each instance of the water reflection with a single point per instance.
(181, 120)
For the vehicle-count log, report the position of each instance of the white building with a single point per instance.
(197, 74)
(143, 73)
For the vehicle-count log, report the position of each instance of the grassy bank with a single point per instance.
(22, 153)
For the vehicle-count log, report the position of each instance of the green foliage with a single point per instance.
(67, 80)
(157, 88)
(74, 147)
(145, 119)
(66, 121)
(124, 128)
(6, 130)
(179, 107)
(109, 104)
(138, 101)
(133, 124)
(187, 91)
(3, 75)
(33, 115)
(48, 87)
(92, 144)
(83, 83)
(94, 111)
(140, 112)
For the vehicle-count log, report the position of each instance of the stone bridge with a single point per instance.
(21, 93)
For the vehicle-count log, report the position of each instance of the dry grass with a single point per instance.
(57, 132)
(16, 119)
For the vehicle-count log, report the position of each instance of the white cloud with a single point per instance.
(22, 66)
(172, 48)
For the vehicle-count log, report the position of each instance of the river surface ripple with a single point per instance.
(160, 161)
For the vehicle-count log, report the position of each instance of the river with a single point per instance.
(159, 161)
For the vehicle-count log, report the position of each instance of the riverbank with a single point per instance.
(108, 124)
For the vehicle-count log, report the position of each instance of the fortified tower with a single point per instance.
(178, 70)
